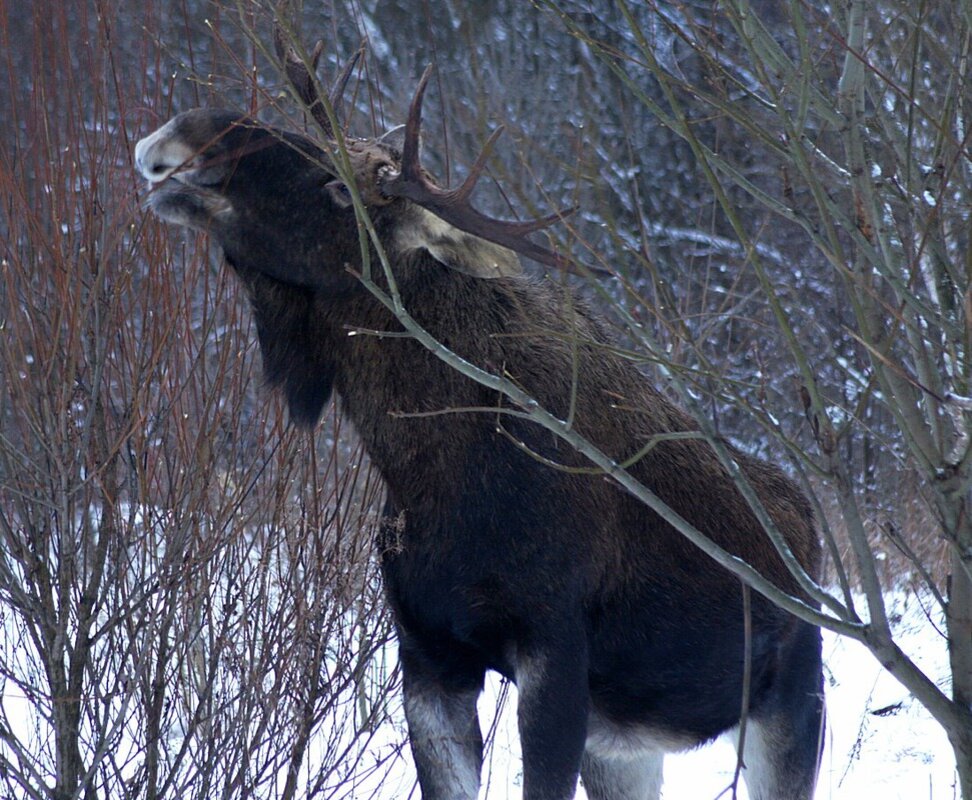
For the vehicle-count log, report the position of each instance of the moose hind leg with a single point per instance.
(777, 766)
(446, 741)
(635, 777)
(784, 740)
(552, 718)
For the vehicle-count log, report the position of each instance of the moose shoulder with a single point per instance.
(624, 640)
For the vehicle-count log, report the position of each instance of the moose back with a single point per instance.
(624, 640)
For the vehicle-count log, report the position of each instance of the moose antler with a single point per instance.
(411, 181)
(452, 205)
(302, 78)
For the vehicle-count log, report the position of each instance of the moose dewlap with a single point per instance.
(624, 640)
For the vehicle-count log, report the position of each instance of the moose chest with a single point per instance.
(476, 554)
(453, 605)
(476, 571)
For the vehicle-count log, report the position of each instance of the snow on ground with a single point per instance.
(880, 742)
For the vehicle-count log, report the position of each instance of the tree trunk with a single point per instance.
(959, 618)
(960, 738)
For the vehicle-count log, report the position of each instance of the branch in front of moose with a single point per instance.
(844, 620)
(500, 411)
(532, 410)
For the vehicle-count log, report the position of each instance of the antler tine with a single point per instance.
(337, 91)
(411, 167)
(453, 206)
(533, 225)
(475, 172)
(302, 79)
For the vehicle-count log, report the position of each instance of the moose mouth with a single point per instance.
(185, 188)
(181, 201)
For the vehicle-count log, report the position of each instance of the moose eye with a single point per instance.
(338, 190)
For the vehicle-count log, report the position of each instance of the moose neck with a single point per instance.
(411, 410)
(401, 398)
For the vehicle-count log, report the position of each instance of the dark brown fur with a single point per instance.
(607, 618)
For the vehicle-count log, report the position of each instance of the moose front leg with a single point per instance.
(447, 744)
(552, 718)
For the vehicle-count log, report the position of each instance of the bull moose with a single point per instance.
(502, 549)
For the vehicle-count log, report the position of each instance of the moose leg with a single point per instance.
(636, 777)
(778, 767)
(784, 739)
(552, 717)
(443, 727)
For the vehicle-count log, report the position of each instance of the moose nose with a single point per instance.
(148, 160)
(159, 154)
(155, 171)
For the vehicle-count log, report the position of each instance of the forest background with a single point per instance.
(781, 194)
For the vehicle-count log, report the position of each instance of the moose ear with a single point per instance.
(476, 256)
(457, 249)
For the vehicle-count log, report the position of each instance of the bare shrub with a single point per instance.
(186, 591)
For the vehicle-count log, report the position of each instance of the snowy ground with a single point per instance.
(880, 743)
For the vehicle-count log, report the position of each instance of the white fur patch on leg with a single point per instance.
(445, 742)
(767, 774)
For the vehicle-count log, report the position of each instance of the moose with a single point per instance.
(502, 549)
